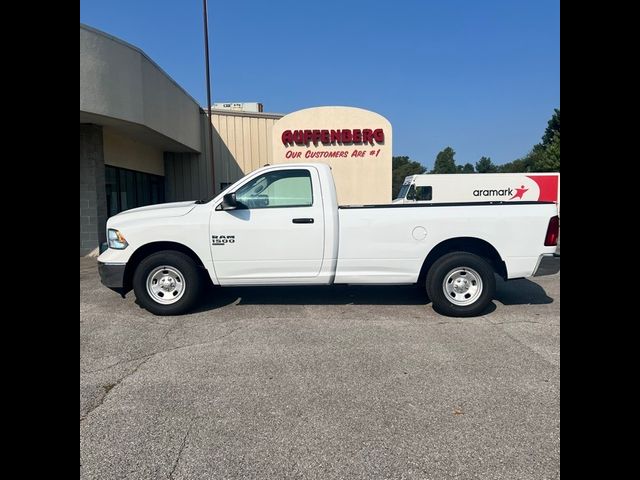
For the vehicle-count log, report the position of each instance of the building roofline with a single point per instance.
(240, 113)
(141, 52)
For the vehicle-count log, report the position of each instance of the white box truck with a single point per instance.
(480, 187)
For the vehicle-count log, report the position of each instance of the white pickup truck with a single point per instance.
(281, 225)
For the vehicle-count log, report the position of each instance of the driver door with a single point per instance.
(275, 235)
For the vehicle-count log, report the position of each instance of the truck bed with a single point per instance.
(405, 232)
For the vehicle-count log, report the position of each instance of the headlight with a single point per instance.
(116, 239)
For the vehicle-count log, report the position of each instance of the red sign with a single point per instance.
(344, 136)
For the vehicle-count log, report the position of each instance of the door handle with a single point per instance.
(302, 220)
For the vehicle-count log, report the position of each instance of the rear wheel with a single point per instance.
(167, 283)
(460, 284)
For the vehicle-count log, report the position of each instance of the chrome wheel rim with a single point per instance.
(165, 285)
(462, 286)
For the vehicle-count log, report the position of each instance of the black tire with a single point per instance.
(468, 266)
(184, 265)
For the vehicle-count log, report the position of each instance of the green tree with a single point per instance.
(485, 165)
(466, 168)
(402, 167)
(526, 163)
(550, 161)
(445, 162)
(553, 128)
(520, 165)
(544, 156)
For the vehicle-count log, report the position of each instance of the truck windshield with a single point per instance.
(403, 191)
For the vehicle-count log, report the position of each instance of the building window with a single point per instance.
(130, 189)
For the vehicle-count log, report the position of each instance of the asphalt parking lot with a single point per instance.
(320, 383)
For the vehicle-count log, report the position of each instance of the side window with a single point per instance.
(281, 188)
(423, 193)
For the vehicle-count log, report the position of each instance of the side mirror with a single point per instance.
(229, 202)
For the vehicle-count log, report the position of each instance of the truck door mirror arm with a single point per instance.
(229, 202)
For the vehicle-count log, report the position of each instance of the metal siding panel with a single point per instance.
(231, 145)
(174, 178)
(216, 149)
(216, 156)
(200, 159)
(186, 175)
(224, 148)
(195, 187)
(246, 138)
(255, 152)
(241, 152)
(217, 153)
(205, 160)
(179, 178)
(262, 140)
(168, 174)
(241, 144)
(179, 182)
(219, 150)
(269, 139)
(237, 146)
(208, 168)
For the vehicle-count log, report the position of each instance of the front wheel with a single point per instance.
(167, 283)
(461, 284)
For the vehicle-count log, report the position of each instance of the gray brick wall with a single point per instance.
(93, 199)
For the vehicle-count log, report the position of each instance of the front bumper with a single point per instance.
(548, 264)
(112, 275)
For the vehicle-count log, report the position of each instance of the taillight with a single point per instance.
(551, 239)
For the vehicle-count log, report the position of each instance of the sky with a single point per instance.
(480, 77)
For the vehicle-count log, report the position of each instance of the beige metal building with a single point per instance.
(241, 143)
(144, 140)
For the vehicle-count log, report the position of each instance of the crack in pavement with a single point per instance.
(119, 362)
(107, 392)
(170, 329)
(196, 344)
(184, 442)
(146, 359)
(529, 347)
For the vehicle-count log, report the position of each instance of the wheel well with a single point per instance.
(150, 248)
(473, 245)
